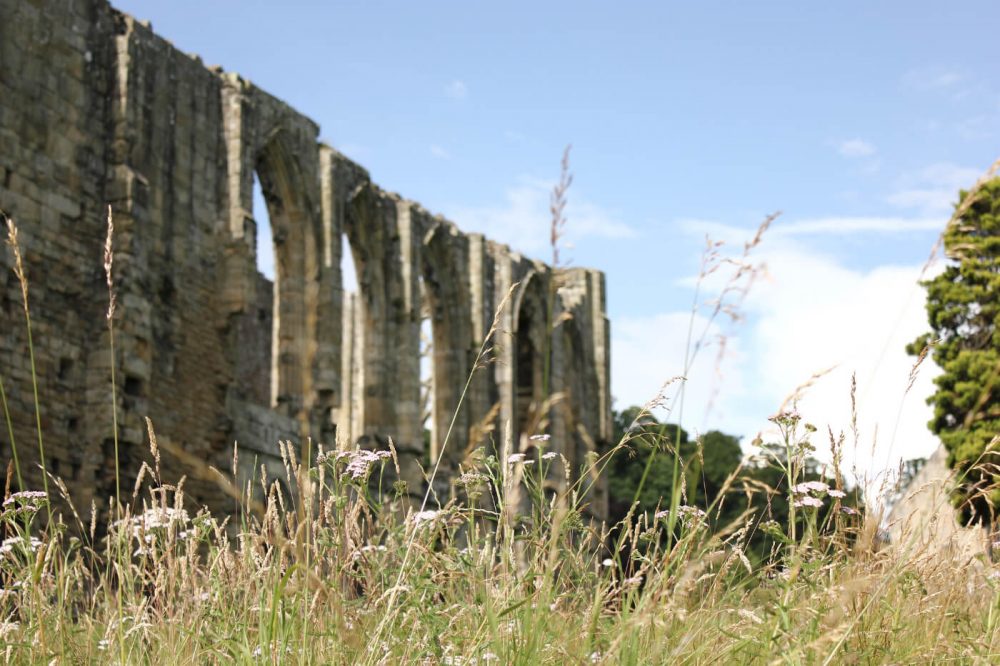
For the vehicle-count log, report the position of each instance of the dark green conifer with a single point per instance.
(963, 308)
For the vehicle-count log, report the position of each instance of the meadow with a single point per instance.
(340, 570)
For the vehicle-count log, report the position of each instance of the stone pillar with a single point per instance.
(380, 228)
(445, 259)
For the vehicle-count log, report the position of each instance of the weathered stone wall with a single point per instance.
(97, 110)
(924, 520)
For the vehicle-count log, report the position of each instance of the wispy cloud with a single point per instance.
(933, 189)
(839, 225)
(855, 148)
(522, 219)
(456, 90)
(787, 227)
(439, 152)
(811, 312)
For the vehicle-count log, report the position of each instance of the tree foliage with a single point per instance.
(963, 308)
(756, 497)
(707, 464)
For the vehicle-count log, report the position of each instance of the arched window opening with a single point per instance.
(529, 357)
(577, 386)
(526, 368)
(428, 424)
(351, 415)
(348, 271)
(256, 339)
(264, 243)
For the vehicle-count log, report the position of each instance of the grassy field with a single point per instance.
(319, 580)
(507, 575)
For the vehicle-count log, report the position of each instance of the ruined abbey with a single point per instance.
(97, 110)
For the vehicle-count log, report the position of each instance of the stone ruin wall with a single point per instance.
(96, 109)
(924, 520)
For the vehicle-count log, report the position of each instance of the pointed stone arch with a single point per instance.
(531, 345)
(296, 284)
(444, 259)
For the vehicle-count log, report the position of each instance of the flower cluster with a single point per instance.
(811, 493)
(15, 542)
(25, 502)
(787, 417)
(472, 479)
(31, 497)
(359, 463)
(474, 484)
(159, 518)
(690, 515)
(365, 550)
(152, 524)
(422, 517)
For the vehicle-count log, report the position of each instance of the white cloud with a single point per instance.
(855, 148)
(523, 219)
(839, 225)
(814, 314)
(456, 90)
(784, 227)
(649, 350)
(933, 189)
(808, 314)
(439, 152)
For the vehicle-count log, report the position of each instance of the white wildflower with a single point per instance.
(608, 562)
(472, 478)
(33, 497)
(359, 463)
(809, 501)
(690, 512)
(370, 548)
(421, 517)
(550, 455)
(837, 493)
(540, 438)
(810, 486)
(515, 458)
(10, 543)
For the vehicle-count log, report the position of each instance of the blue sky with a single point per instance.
(859, 122)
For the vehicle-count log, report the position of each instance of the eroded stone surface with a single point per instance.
(97, 110)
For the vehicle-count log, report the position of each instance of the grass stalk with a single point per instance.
(22, 278)
(10, 434)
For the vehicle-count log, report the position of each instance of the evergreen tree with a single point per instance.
(963, 307)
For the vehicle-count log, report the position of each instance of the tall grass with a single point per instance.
(22, 279)
(335, 574)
